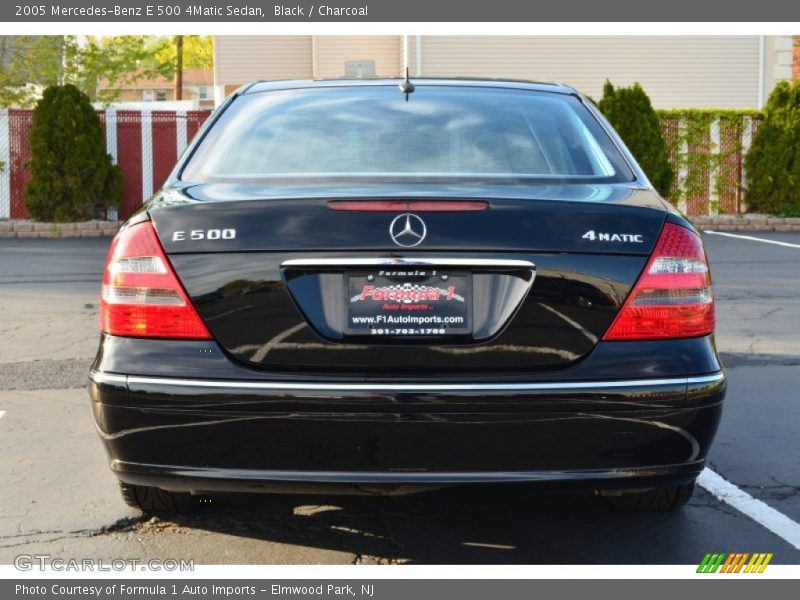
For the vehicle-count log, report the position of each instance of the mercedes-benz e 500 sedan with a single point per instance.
(345, 286)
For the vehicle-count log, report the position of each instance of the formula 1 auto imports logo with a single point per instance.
(407, 293)
(734, 563)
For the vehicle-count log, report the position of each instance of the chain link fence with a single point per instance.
(707, 151)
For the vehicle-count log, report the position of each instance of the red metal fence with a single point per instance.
(707, 155)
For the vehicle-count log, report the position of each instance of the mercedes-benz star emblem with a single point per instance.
(407, 230)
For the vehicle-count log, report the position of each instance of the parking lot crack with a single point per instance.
(25, 538)
(392, 551)
(779, 491)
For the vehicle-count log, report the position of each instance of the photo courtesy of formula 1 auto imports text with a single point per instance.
(379, 299)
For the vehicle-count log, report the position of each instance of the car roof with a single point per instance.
(296, 84)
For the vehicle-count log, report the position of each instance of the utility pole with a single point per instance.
(178, 94)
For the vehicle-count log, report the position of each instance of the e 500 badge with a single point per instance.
(204, 234)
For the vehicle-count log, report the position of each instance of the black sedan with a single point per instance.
(384, 286)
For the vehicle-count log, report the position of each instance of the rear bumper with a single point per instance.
(222, 435)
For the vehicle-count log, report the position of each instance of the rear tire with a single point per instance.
(658, 499)
(156, 500)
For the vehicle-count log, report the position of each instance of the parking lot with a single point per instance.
(57, 495)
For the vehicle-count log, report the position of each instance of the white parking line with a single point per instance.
(761, 513)
(752, 239)
(2, 412)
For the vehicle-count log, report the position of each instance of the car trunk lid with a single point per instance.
(541, 276)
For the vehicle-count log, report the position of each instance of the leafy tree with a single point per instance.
(27, 62)
(632, 115)
(30, 63)
(117, 60)
(72, 177)
(198, 53)
(773, 161)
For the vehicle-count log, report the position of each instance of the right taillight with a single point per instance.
(673, 297)
(142, 296)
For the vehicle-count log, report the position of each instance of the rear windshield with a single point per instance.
(375, 132)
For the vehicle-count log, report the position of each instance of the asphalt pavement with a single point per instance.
(57, 495)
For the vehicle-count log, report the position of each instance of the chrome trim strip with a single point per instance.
(108, 378)
(706, 378)
(364, 477)
(393, 261)
(408, 387)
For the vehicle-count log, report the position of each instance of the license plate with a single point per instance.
(408, 303)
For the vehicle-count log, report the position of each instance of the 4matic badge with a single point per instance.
(597, 236)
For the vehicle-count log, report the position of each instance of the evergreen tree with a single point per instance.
(632, 115)
(773, 161)
(72, 177)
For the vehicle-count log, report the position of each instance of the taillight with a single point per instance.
(672, 298)
(141, 295)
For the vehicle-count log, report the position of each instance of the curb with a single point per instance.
(33, 230)
(746, 223)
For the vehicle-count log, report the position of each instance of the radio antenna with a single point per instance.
(406, 86)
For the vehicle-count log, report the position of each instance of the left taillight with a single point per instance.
(141, 295)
